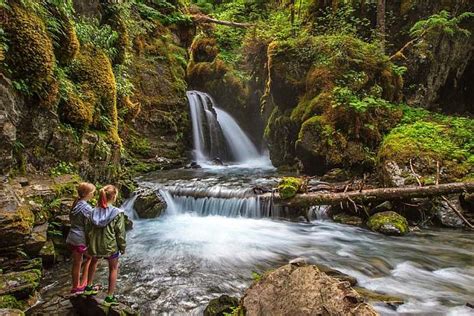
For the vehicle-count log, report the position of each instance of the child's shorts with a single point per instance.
(78, 248)
(114, 256)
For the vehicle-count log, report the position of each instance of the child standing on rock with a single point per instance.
(106, 239)
(76, 239)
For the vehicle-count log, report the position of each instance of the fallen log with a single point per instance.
(201, 18)
(374, 195)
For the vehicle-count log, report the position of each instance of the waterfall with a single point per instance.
(241, 205)
(127, 206)
(216, 134)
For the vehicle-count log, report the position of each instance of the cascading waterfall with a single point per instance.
(217, 135)
(242, 204)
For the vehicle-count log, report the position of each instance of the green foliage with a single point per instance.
(63, 167)
(256, 276)
(442, 22)
(90, 31)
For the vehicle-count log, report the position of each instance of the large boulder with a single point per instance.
(149, 205)
(87, 305)
(37, 239)
(388, 223)
(303, 290)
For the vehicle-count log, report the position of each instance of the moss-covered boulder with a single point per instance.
(388, 223)
(290, 186)
(30, 56)
(339, 103)
(427, 146)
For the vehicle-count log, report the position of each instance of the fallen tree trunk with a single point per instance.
(374, 195)
(201, 18)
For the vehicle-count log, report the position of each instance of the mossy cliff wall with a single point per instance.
(99, 90)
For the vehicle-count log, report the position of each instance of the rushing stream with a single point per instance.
(178, 262)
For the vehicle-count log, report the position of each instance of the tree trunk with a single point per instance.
(381, 20)
(375, 195)
(201, 18)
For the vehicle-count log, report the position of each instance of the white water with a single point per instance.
(212, 124)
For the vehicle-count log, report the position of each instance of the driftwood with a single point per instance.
(375, 195)
(201, 18)
(459, 214)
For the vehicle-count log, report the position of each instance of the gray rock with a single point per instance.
(88, 305)
(445, 214)
(36, 240)
(149, 205)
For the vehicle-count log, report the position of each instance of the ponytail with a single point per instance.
(102, 203)
(107, 194)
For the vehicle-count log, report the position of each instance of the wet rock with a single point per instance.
(348, 219)
(394, 175)
(217, 161)
(193, 165)
(11, 312)
(9, 115)
(149, 205)
(221, 306)
(87, 306)
(337, 274)
(445, 214)
(64, 223)
(128, 223)
(375, 297)
(388, 223)
(335, 175)
(303, 290)
(48, 254)
(383, 207)
(19, 284)
(37, 240)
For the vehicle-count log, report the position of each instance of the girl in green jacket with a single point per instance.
(105, 236)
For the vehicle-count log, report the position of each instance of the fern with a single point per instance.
(443, 23)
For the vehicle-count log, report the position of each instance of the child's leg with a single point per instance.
(76, 268)
(85, 269)
(92, 268)
(113, 272)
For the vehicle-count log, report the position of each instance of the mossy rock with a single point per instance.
(388, 223)
(437, 145)
(348, 219)
(92, 72)
(290, 186)
(20, 284)
(30, 56)
(223, 305)
(10, 302)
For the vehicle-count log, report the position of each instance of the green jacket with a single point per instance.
(105, 232)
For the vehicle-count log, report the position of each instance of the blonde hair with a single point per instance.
(107, 194)
(83, 190)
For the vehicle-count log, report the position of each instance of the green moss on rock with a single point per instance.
(388, 223)
(290, 186)
(92, 72)
(30, 56)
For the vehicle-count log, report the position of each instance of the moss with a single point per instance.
(347, 219)
(204, 49)
(9, 301)
(92, 71)
(67, 44)
(74, 110)
(30, 56)
(431, 140)
(128, 109)
(289, 186)
(389, 223)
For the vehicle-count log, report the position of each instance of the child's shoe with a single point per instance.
(90, 290)
(111, 300)
(78, 290)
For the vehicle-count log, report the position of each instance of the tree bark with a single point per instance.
(374, 195)
(201, 18)
(381, 20)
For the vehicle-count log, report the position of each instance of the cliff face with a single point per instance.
(99, 89)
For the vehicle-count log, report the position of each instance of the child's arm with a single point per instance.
(120, 233)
